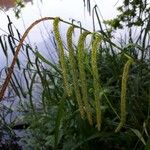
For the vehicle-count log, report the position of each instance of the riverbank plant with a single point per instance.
(95, 96)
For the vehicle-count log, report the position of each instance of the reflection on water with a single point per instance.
(6, 4)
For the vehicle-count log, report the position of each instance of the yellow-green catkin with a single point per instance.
(82, 75)
(123, 94)
(96, 81)
(74, 69)
(61, 54)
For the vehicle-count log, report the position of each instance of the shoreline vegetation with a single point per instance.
(97, 96)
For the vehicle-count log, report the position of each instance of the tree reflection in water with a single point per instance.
(7, 4)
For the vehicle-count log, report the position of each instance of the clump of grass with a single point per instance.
(96, 81)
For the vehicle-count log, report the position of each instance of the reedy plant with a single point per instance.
(123, 93)
(82, 75)
(73, 64)
(61, 55)
(102, 68)
(96, 81)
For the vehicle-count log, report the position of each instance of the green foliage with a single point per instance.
(17, 9)
(147, 145)
(87, 88)
(8, 138)
(61, 125)
(132, 13)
